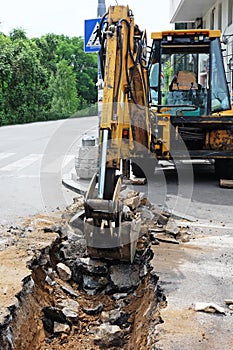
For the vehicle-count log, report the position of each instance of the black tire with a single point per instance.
(137, 170)
(144, 167)
(110, 181)
(224, 168)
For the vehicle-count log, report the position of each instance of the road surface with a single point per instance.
(33, 158)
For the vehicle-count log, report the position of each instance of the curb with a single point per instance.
(77, 186)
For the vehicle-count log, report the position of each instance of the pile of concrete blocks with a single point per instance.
(86, 161)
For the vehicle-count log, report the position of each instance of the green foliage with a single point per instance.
(86, 112)
(18, 33)
(63, 89)
(84, 67)
(44, 78)
(167, 71)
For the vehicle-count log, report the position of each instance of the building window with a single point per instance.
(184, 25)
(230, 11)
(199, 23)
(220, 16)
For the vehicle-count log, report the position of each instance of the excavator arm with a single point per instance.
(124, 130)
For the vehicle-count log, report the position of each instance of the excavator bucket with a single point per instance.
(108, 236)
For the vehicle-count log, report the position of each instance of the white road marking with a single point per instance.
(6, 155)
(22, 163)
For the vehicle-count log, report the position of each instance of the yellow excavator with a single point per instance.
(159, 103)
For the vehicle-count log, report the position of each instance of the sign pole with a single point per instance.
(101, 8)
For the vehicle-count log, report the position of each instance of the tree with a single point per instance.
(6, 71)
(63, 89)
(84, 66)
(60, 47)
(44, 77)
(18, 33)
(48, 45)
(28, 81)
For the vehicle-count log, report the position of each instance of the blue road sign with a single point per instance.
(91, 39)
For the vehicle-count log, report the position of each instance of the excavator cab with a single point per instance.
(189, 97)
(192, 77)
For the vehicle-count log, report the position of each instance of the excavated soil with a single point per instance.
(30, 285)
(28, 331)
(29, 322)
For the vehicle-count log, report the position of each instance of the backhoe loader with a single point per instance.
(158, 103)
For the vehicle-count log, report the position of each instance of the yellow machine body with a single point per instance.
(170, 103)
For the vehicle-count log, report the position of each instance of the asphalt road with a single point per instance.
(33, 159)
(192, 191)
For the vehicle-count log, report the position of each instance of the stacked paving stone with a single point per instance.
(86, 161)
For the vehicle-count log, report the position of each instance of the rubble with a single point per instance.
(229, 302)
(132, 202)
(171, 227)
(94, 310)
(108, 336)
(61, 328)
(64, 272)
(226, 183)
(164, 238)
(209, 307)
(125, 277)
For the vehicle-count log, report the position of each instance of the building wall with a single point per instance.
(220, 16)
(217, 16)
(173, 6)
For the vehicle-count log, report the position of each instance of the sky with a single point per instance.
(41, 17)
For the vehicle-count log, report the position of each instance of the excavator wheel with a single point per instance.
(224, 168)
(144, 167)
(110, 182)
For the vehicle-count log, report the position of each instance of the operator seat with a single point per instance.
(184, 80)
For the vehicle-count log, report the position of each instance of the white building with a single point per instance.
(211, 14)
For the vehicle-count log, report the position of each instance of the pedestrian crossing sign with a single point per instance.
(91, 39)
